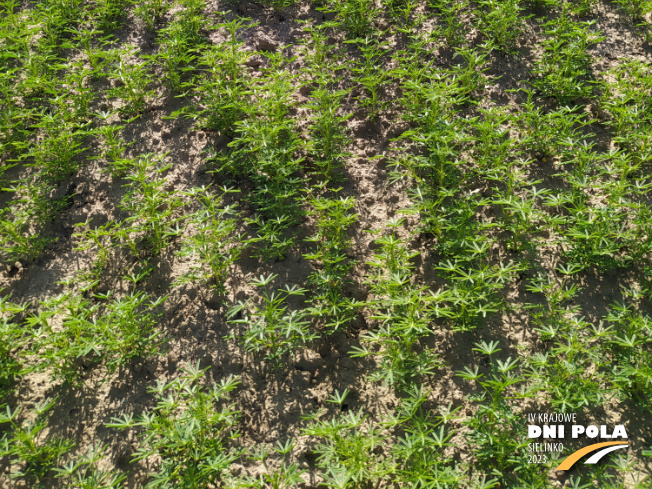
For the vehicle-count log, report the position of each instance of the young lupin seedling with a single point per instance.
(269, 327)
(357, 17)
(348, 446)
(85, 472)
(266, 150)
(189, 431)
(132, 79)
(334, 218)
(405, 314)
(107, 331)
(32, 454)
(501, 22)
(565, 67)
(152, 208)
(328, 138)
(497, 430)
(12, 339)
(371, 73)
(452, 28)
(222, 85)
(180, 41)
(151, 11)
(212, 238)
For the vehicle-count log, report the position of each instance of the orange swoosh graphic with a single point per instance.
(575, 456)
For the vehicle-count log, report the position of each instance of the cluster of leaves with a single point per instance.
(326, 147)
(265, 151)
(405, 311)
(12, 338)
(354, 450)
(497, 429)
(153, 217)
(23, 443)
(269, 326)
(586, 363)
(180, 40)
(333, 220)
(189, 431)
(348, 447)
(72, 334)
(214, 242)
(150, 205)
(85, 472)
(565, 68)
(222, 86)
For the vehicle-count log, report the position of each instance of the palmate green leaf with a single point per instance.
(469, 374)
(547, 332)
(487, 348)
(359, 352)
(212, 239)
(337, 477)
(507, 365)
(127, 421)
(499, 386)
(8, 415)
(628, 341)
(83, 472)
